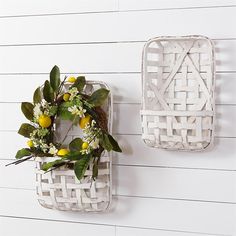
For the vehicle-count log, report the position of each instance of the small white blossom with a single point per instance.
(85, 151)
(81, 112)
(35, 143)
(52, 150)
(44, 103)
(43, 146)
(74, 110)
(95, 143)
(73, 92)
(37, 110)
(93, 123)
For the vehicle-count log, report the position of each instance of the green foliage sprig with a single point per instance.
(53, 101)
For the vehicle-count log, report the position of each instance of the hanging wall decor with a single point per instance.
(74, 175)
(178, 77)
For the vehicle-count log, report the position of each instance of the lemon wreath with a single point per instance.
(54, 100)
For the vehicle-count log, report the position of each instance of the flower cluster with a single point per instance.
(43, 108)
(91, 134)
(39, 137)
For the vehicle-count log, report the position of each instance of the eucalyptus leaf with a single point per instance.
(79, 83)
(48, 92)
(52, 111)
(23, 152)
(81, 166)
(27, 109)
(98, 97)
(26, 129)
(55, 78)
(63, 112)
(37, 98)
(105, 142)
(95, 170)
(73, 156)
(115, 145)
(56, 163)
(76, 144)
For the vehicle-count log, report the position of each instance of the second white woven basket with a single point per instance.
(178, 77)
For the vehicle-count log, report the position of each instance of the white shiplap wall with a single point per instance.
(155, 192)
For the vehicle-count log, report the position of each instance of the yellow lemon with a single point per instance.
(84, 121)
(30, 143)
(44, 121)
(85, 145)
(71, 79)
(62, 152)
(66, 97)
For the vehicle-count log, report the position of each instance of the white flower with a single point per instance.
(81, 112)
(42, 145)
(85, 151)
(35, 143)
(44, 103)
(73, 92)
(74, 110)
(52, 150)
(95, 143)
(37, 110)
(93, 123)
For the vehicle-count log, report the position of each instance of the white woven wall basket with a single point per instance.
(178, 77)
(60, 189)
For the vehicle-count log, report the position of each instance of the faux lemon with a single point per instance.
(62, 152)
(85, 145)
(84, 121)
(71, 79)
(66, 97)
(44, 121)
(30, 143)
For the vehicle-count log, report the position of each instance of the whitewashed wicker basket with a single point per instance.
(178, 77)
(60, 189)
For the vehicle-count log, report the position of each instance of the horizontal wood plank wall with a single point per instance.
(155, 192)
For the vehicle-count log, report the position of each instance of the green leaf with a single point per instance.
(105, 142)
(37, 98)
(79, 83)
(115, 145)
(98, 97)
(49, 165)
(109, 143)
(55, 78)
(76, 144)
(27, 109)
(95, 170)
(73, 156)
(81, 166)
(23, 152)
(63, 112)
(48, 92)
(26, 129)
(52, 111)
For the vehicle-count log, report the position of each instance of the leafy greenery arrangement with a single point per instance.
(54, 101)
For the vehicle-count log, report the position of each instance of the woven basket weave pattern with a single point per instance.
(60, 189)
(178, 93)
